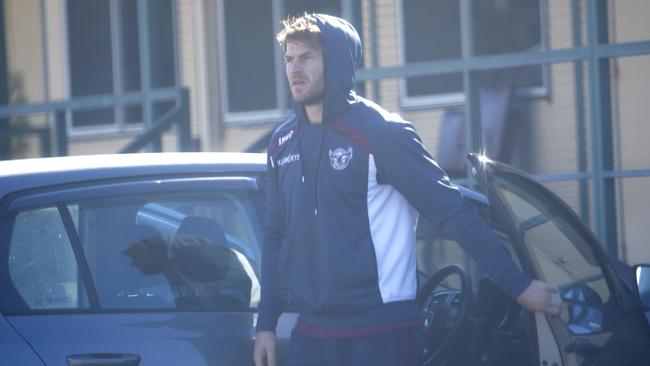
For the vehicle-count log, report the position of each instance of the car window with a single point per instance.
(195, 251)
(41, 263)
(560, 253)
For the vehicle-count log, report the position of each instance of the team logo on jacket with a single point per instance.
(340, 158)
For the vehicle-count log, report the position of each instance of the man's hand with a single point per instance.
(541, 297)
(264, 353)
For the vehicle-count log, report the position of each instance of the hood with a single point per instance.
(342, 57)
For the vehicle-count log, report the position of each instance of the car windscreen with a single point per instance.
(195, 246)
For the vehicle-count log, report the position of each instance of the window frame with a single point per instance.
(283, 108)
(283, 98)
(119, 127)
(455, 99)
(60, 199)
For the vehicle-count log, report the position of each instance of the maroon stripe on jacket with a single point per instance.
(349, 332)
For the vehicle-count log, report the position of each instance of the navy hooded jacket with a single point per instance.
(340, 243)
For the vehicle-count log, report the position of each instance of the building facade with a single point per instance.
(560, 88)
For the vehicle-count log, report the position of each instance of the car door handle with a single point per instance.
(104, 359)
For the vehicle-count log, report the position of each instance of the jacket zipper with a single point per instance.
(318, 162)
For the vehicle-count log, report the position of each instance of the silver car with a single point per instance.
(154, 259)
(149, 259)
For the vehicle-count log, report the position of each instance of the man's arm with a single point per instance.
(272, 294)
(409, 167)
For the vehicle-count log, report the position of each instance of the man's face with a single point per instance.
(304, 67)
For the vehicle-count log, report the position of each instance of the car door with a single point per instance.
(136, 272)
(554, 246)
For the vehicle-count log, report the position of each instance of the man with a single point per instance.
(200, 273)
(346, 180)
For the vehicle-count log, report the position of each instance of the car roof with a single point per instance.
(18, 175)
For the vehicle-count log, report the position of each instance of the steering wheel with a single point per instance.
(444, 311)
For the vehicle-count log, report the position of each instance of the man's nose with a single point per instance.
(294, 66)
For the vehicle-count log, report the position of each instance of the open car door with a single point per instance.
(600, 324)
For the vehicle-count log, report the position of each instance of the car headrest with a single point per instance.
(209, 230)
(206, 228)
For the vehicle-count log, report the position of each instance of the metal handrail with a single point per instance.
(504, 60)
(178, 115)
(89, 102)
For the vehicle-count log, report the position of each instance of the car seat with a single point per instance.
(208, 271)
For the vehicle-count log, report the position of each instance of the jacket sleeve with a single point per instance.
(403, 162)
(273, 293)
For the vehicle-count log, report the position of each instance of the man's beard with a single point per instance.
(313, 100)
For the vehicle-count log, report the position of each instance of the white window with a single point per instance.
(103, 58)
(431, 31)
(253, 86)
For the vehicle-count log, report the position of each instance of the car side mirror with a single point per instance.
(642, 274)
